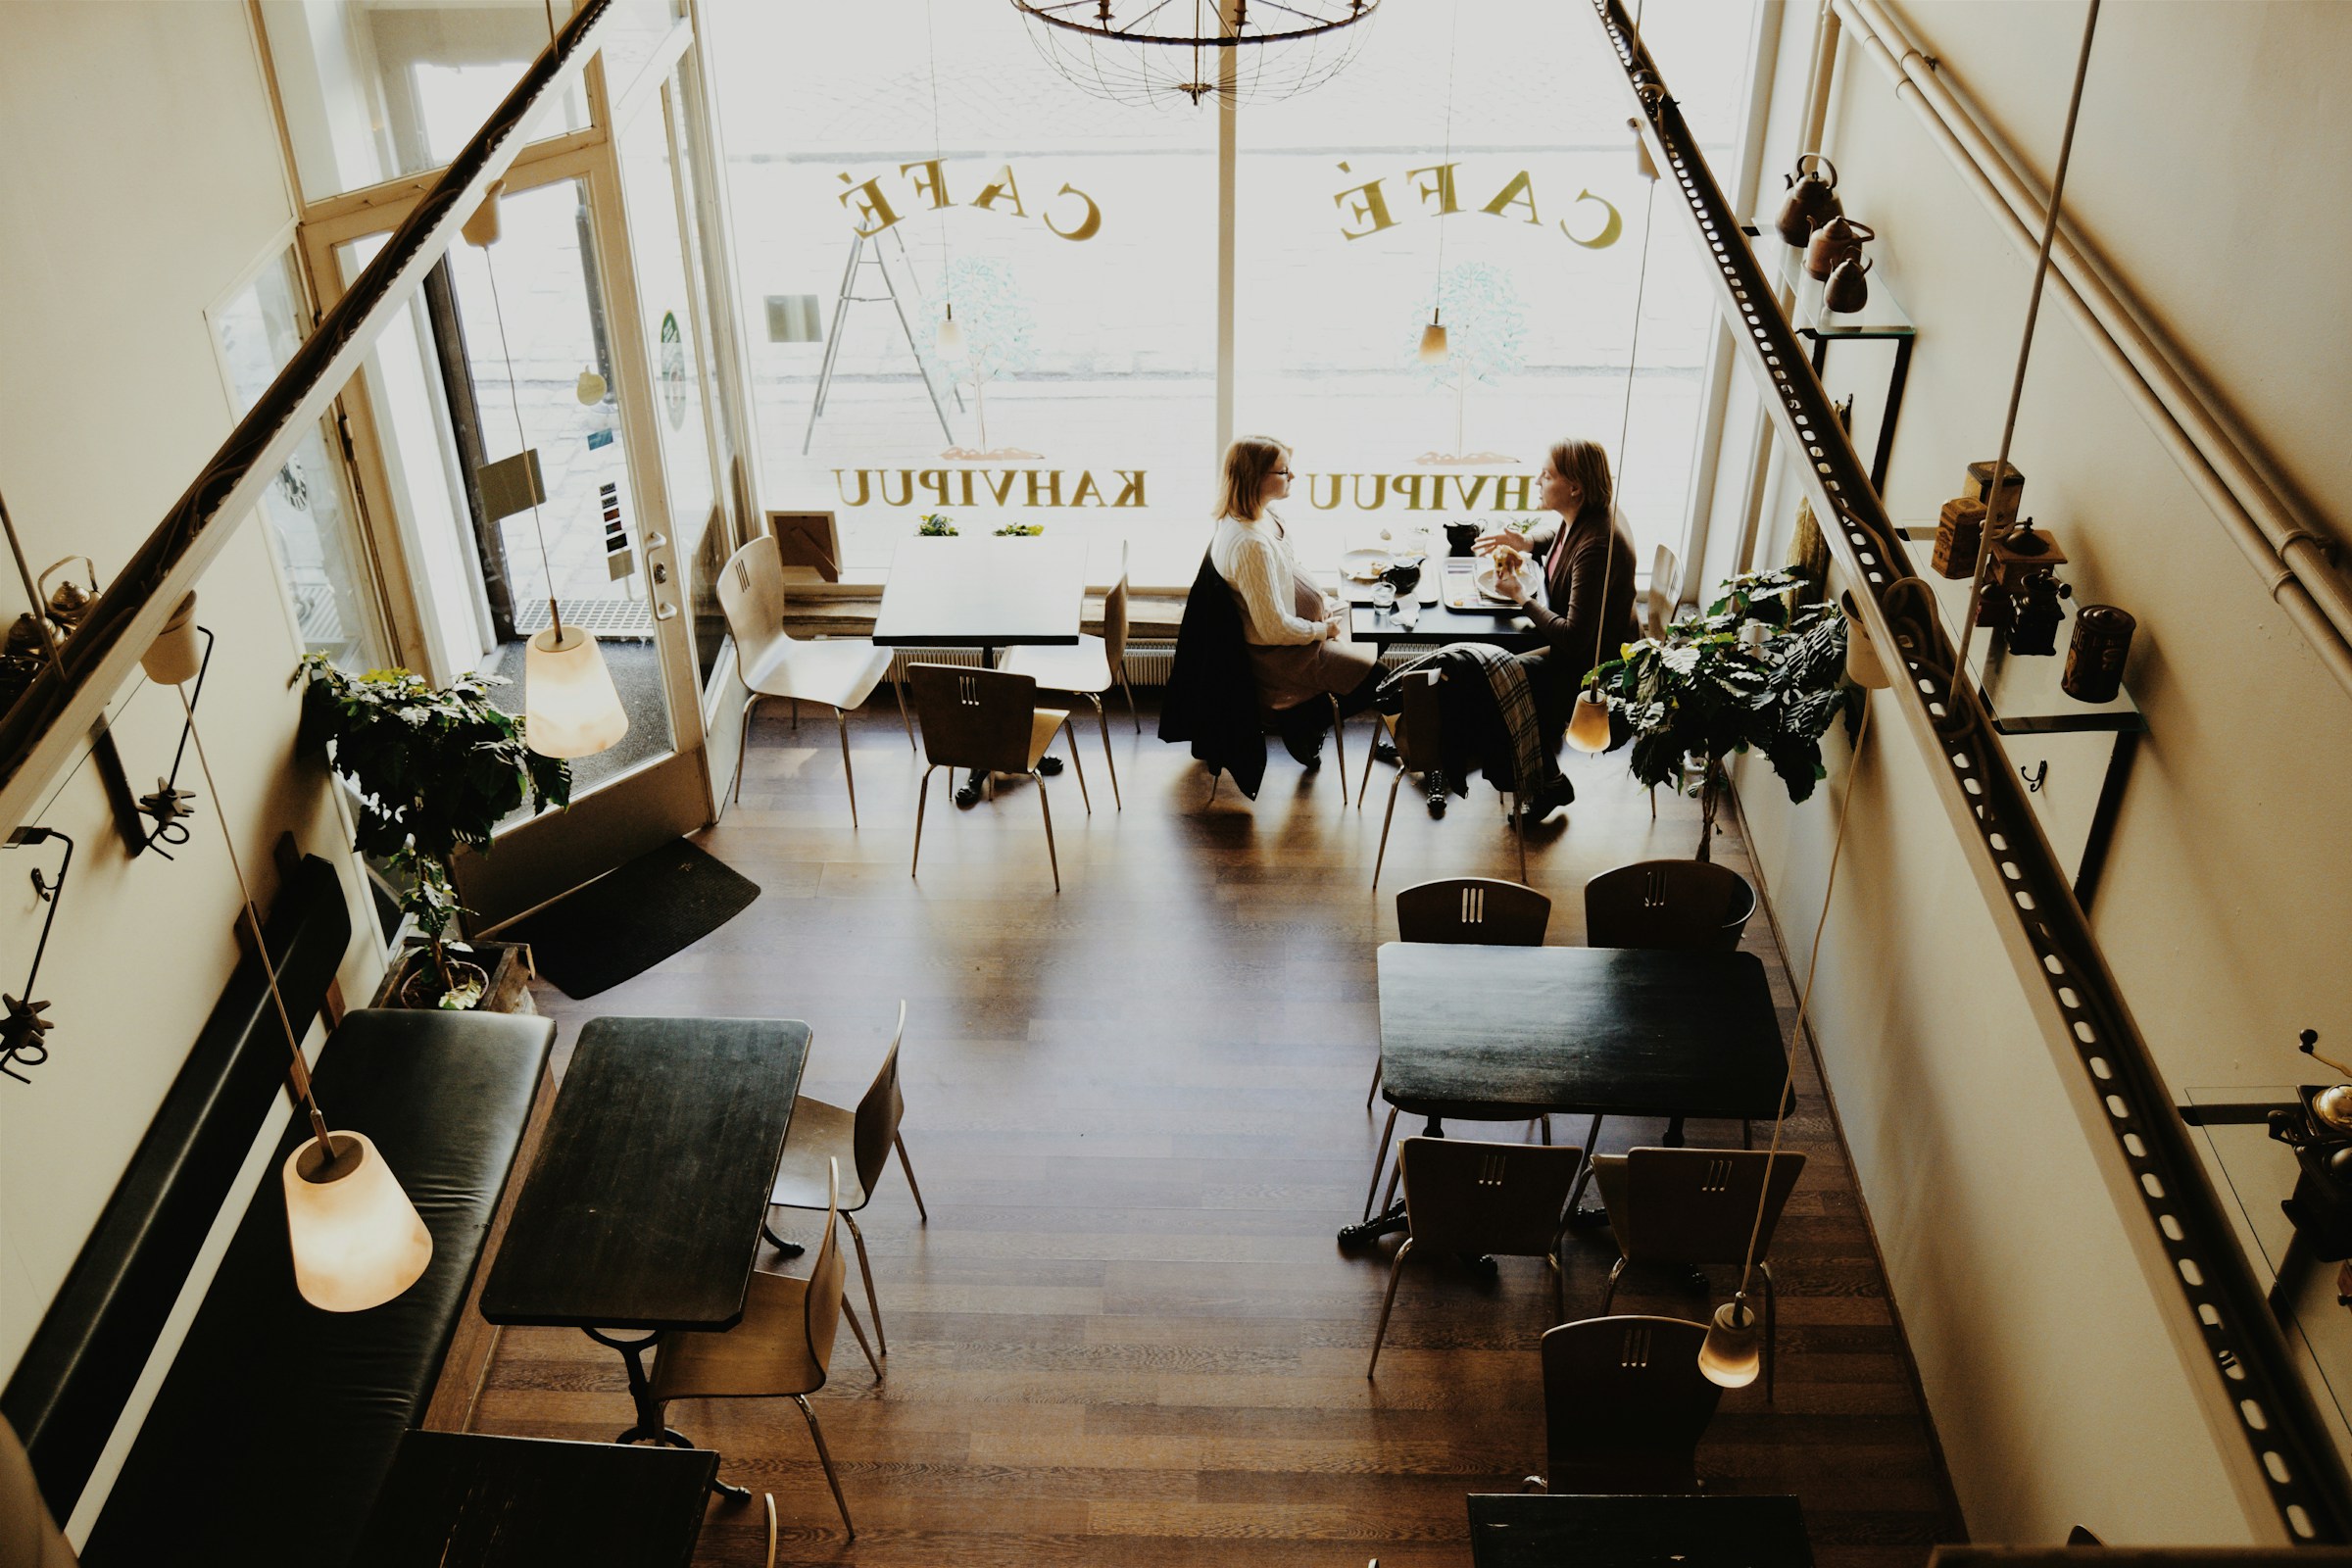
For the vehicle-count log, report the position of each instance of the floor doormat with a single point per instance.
(631, 918)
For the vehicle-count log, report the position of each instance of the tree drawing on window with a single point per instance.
(1485, 338)
(998, 331)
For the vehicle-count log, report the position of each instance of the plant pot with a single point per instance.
(410, 981)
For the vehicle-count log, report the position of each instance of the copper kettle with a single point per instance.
(1846, 290)
(1837, 240)
(1812, 201)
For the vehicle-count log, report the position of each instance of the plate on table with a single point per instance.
(1488, 586)
(1363, 565)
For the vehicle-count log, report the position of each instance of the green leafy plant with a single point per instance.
(936, 525)
(436, 768)
(1020, 530)
(1757, 671)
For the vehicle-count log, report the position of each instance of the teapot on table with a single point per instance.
(1837, 240)
(1812, 201)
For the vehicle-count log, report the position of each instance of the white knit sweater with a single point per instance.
(1256, 561)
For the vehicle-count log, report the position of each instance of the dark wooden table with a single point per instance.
(1489, 1034)
(460, 1499)
(643, 1212)
(1368, 622)
(986, 593)
(1513, 1530)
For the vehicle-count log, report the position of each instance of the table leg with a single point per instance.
(650, 1426)
(1583, 1219)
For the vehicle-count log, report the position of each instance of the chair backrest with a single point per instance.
(1691, 904)
(1419, 721)
(821, 1306)
(878, 1114)
(785, 1341)
(751, 593)
(975, 719)
(1461, 1196)
(1657, 605)
(1698, 1206)
(1482, 909)
(1624, 1405)
(1114, 617)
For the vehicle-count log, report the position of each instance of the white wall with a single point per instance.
(139, 180)
(2208, 169)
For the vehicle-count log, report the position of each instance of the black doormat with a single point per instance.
(631, 918)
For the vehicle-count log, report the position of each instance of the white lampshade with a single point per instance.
(1729, 1356)
(1433, 342)
(1862, 664)
(589, 388)
(1644, 165)
(569, 707)
(357, 1238)
(1588, 724)
(950, 333)
(175, 656)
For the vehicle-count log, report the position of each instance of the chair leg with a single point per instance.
(921, 796)
(1371, 1093)
(826, 1459)
(1608, 1292)
(1559, 1287)
(1395, 1175)
(1545, 1123)
(1051, 859)
(849, 775)
(865, 1267)
(899, 1143)
(1380, 859)
(1339, 744)
(1103, 717)
(1386, 1303)
(743, 741)
(1069, 733)
(1216, 776)
(1380, 1161)
(1772, 1326)
(1584, 1166)
(796, 715)
(1519, 832)
(1134, 715)
(858, 1329)
(899, 689)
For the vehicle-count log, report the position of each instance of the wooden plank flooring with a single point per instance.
(1126, 1336)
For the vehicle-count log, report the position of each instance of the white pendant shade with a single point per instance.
(950, 333)
(357, 1238)
(1644, 165)
(1588, 724)
(570, 707)
(1729, 1356)
(175, 655)
(1432, 344)
(1862, 665)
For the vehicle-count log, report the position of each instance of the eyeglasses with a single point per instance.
(1282, 473)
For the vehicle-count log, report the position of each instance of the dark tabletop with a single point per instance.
(464, 1500)
(1614, 1031)
(1368, 623)
(653, 1176)
(985, 592)
(1513, 1530)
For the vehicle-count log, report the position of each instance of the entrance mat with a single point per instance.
(631, 918)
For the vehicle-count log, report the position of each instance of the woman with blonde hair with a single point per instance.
(1297, 647)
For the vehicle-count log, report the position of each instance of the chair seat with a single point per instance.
(820, 1132)
(1084, 667)
(1041, 731)
(839, 674)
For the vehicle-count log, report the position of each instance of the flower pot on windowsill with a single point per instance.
(504, 967)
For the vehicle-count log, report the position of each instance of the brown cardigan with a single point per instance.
(1591, 589)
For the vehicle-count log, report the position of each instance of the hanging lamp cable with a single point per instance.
(1454, 43)
(521, 443)
(1625, 417)
(947, 251)
(2025, 347)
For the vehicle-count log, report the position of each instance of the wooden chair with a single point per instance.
(1414, 728)
(1659, 600)
(987, 721)
(1089, 669)
(1686, 1207)
(1624, 1405)
(780, 1350)
(1507, 1200)
(840, 674)
(1684, 905)
(825, 1139)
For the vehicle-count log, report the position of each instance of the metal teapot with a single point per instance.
(1812, 201)
(1848, 290)
(1837, 240)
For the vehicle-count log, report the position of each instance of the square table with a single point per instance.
(1518, 1530)
(1438, 625)
(1494, 1034)
(461, 1499)
(644, 1209)
(985, 593)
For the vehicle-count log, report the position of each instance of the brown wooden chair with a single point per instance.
(987, 721)
(780, 1350)
(1686, 1207)
(826, 1139)
(1624, 1405)
(1507, 1200)
(1687, 904)
(1087, 669)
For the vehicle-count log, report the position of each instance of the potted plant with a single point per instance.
(1020, 530)
(435, 768)
(1757, 671)
(936, 525)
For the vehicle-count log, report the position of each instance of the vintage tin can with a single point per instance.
(2013, 490)
(1959, 535)
(2094, 657)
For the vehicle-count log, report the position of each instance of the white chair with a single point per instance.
(1087, 669)
(839, 674)
(1658, 603)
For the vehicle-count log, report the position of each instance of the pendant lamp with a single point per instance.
(357, 1240)
(1644, 165)
(950, 337)
(570, 707)
(1589, 723)
(1729, 1356)
(950, 332)
(1433, 341)
(1862, 665)
(1434, 346)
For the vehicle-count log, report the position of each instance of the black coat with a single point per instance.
(1211, 697)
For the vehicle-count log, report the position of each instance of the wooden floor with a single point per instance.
(1126, 1336)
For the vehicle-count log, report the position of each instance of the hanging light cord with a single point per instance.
(521, 443)
(300, 1068)
(1804, 1004)
(2025, 347)
(947, 251)
(1453, 40)
(1625, 426)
